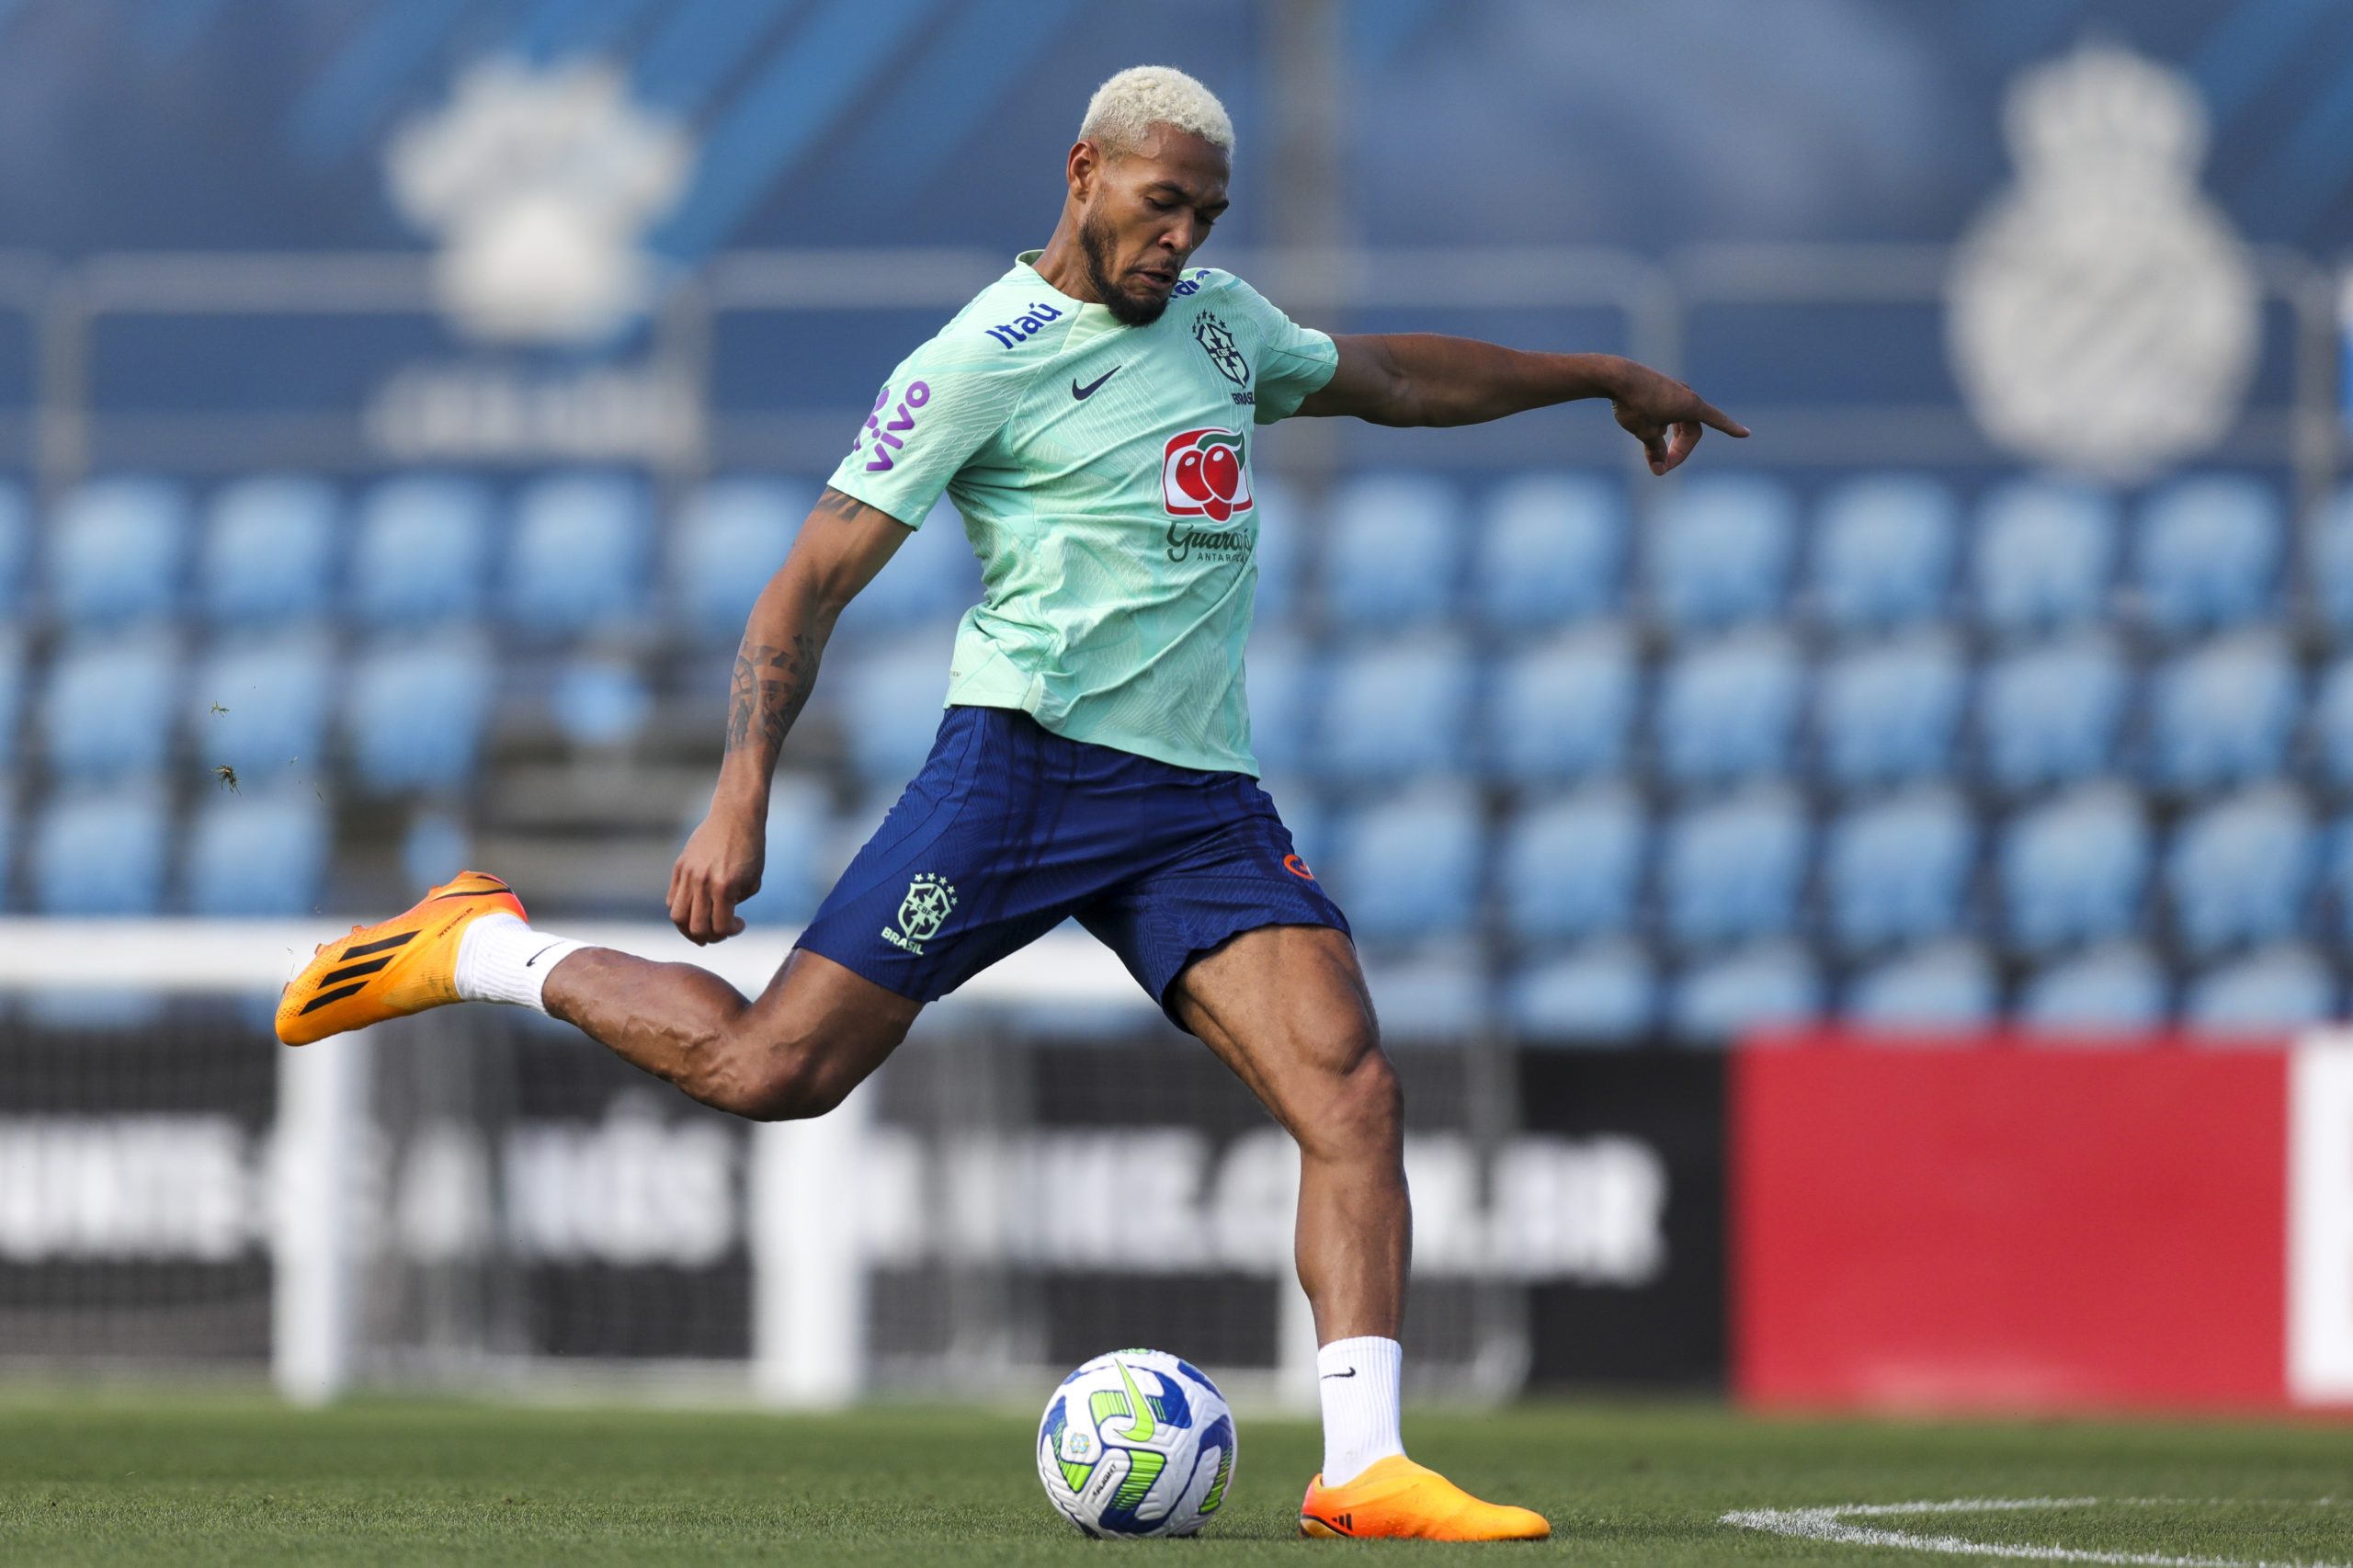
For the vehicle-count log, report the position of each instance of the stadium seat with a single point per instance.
(1888, 713)
(1571, 869)
(1732, 870)
(2209, 554)
(887, 698)
(1280, 682)
(416, 712)
(1551, 551)
(1303, 815)
(1407, 868)
(1393, 550)
(801, 821)
(578, 555)
(16, 546)
(99, 853)
(1562, 710)
(12, 692)
(2112, 991)
(261, 706)
(2332, 561)
(268, 552)
(423, 553)
(729, 539)
(1949, 986)
(2223, 714)
(117, 548)
(108, 709)
(2332, 726)
(2072, 869)
(258, 853)
(1883, 552)
(2045, 556)
(1896, 872)
(2239, 871)
(2336, 877)
(2051, 715)
(1285, 525)
(1606, 994)
(1727, 709)
(1773, 985)
(600, 702)
(1395, 709)
(2268, 995)
(1434, 994)
(1719, 551)
(435, 840)
(932, 580)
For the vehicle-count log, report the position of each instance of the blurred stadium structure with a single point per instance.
(2006, 678)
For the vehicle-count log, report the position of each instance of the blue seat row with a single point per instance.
(1616, 993)
(1746, 705)
(1534, 553)
(120, 708)
(574, 555)
(2082, 868)
(1741, 708)
(1886, 552)
(109, 852)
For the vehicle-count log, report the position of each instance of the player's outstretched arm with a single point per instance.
(840, 548)
(1420, 378)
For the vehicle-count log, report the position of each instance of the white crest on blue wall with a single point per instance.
(2103, 314)
(541, 183)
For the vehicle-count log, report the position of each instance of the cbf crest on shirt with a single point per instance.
(1103, 473)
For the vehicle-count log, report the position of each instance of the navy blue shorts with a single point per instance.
(1011, 829)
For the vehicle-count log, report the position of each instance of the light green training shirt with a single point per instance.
(1103, 473)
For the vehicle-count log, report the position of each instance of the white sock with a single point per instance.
(1357, 1379)
(502, 959)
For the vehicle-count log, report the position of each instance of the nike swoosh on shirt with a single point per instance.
(1083, 392)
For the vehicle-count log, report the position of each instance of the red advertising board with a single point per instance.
(1999, 1227)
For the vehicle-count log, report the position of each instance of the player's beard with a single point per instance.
(1095, 244)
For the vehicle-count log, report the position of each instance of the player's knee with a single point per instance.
(789, 1080)
(1361, 1106)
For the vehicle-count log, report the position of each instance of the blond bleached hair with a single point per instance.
(1125, 108)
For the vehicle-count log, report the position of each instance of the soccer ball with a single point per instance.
(1136, 1443)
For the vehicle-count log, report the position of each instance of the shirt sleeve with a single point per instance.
(1294, 361)
(944, 402)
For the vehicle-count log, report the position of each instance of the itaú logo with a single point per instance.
(1204, 473)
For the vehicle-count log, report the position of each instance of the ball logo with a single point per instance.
(1205, 474)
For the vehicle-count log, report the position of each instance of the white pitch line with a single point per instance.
(1829, 1524)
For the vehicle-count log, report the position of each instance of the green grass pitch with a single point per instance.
(121, 1480)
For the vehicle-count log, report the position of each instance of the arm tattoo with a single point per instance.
(839, 505)
(769, 688)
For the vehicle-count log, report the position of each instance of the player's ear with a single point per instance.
(1086, 167)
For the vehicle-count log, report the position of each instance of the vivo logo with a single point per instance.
(1026, 325)
(891, 433)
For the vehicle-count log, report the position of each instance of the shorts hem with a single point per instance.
(1242, 926)
(868, 970)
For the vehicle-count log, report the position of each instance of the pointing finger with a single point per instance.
(1710, 415)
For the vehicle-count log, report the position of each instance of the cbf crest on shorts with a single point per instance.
(929, 901)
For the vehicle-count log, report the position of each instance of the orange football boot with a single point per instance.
(405, 965)
(1397, 1499)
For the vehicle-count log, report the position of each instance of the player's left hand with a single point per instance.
(1666, 416)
